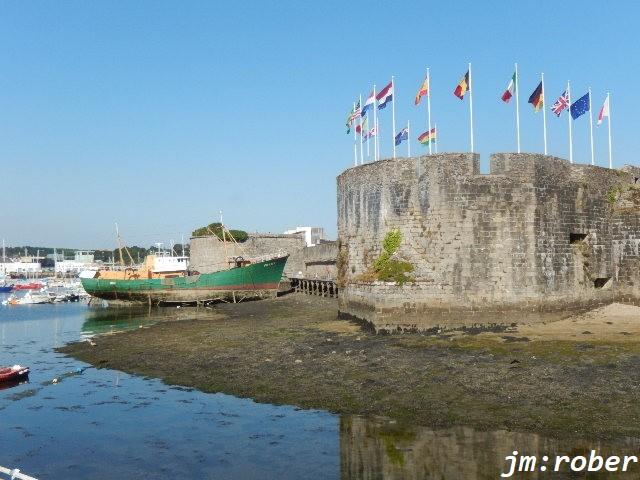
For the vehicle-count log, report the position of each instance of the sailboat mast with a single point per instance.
(119, 245)
(224, 241)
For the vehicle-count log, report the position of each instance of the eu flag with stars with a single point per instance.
(580, 106)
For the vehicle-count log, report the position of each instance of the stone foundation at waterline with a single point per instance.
(535, 238)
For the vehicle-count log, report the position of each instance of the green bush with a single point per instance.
(216, 229)
(388, 269)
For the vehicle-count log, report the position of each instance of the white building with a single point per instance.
(312, 235)
(20, 268)
(83, 260)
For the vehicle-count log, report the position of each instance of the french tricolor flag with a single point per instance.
(385, 96)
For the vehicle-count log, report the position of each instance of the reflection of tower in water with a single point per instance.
(381, 449)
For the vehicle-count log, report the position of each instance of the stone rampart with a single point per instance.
(209, 254)
(537, 235)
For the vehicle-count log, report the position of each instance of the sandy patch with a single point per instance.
(615, 322)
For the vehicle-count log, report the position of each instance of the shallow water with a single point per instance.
(107, 424)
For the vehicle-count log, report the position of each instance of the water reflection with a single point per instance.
(381, 449)
(100, 423)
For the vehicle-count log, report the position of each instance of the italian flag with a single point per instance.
(511, 89)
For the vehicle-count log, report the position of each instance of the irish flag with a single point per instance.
(511, 89)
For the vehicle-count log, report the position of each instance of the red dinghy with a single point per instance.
(16, 372)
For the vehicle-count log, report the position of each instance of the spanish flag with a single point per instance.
(537, 98)
(462, 87)
(424, 90)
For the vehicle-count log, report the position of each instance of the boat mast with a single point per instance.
(224, 241)
(4, 252)
(119, 245)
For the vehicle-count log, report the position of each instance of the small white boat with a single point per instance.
(31, 298)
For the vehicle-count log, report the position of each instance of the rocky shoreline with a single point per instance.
(294, 350)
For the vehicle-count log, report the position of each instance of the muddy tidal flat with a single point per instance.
(579, 377)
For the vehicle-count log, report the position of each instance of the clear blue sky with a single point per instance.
(158, 114)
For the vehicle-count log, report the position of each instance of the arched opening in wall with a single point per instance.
(602, 282)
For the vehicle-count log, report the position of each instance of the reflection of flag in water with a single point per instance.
(561, 103)
(428, 137)
(463, 86)
(580, 106)
(402, 135)
(385, 96)
(604, 111)
(537, 98)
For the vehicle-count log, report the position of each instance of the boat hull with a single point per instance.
(6, 289)
(255, 280)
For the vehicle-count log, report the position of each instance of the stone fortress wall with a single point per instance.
(209, 254)
(537, 235)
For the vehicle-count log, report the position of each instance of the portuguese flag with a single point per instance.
(462, 87)
(511, 89)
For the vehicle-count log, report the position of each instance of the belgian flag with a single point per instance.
(537, 98)
(462, 87)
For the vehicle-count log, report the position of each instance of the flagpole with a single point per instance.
(471, 106)
(570, 123)
(377, 131)
(609, 125)
(544, 116)
(517, 108)
(375, 124)
(361, 130)
(436, 143)
(368, 142)
(393, 115)
(591, 128)
(355, 144)
(408, 140)
(429, 106)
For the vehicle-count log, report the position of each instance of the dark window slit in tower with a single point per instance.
(577, 237)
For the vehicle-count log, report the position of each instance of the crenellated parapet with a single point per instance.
(537, 235)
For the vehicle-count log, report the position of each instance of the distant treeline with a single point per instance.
(137, 253)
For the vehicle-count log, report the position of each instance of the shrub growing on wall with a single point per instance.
(387, 268)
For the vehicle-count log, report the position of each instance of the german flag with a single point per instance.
(537, 98)
(462, 87)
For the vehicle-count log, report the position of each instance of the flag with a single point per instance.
(537, 98)
(369, 103)
(424, 90)
(350, 119)
(580, 106)
(385, 95)
(427, 137)
(362, 127)
(462, 87)
(561, 103)
(511, 89)
(372, 133)
(402, 135)
(604, 110)
(357, 113)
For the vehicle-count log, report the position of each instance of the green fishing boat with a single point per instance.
(149, 285)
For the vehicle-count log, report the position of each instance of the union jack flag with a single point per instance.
(561, 103)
